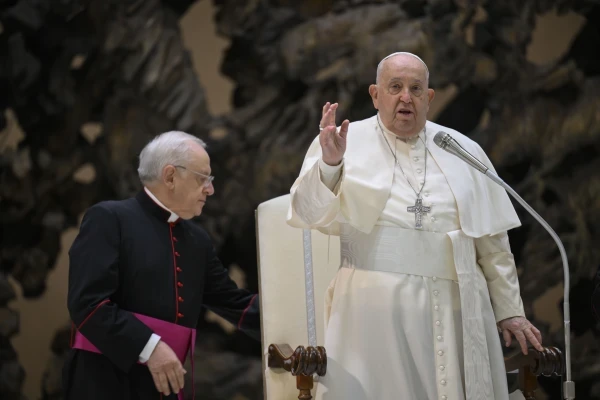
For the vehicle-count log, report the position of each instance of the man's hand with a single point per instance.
(523, 331)
(332, 142)
(166, 369)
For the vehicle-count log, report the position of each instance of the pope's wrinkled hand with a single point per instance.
(523, 330)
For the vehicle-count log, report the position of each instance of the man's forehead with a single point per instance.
(399, 70)
(199, 157)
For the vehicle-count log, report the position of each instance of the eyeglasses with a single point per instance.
(206, 179)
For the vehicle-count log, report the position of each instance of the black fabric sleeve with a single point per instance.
(223, 297)
(93, 279)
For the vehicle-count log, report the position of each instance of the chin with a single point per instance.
(406, 131)
(409, 128)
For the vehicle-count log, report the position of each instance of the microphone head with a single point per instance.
(442, 139)
(446, 142)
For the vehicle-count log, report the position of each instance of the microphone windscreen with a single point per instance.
(438, 139)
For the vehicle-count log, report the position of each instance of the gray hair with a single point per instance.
(169, 148)
(380, 65)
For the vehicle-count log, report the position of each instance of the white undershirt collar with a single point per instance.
(174, 217)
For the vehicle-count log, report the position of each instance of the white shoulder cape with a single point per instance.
(484, 207)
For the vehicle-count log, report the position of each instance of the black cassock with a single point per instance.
(128, 259)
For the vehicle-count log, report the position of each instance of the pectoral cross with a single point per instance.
(419, 210)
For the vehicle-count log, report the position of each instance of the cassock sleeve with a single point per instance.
(93, 279)
(223, 297)
(315, 195)
(498, 264)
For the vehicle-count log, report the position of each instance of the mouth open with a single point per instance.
(405, 112)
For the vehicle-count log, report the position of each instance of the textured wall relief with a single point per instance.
(85, 83)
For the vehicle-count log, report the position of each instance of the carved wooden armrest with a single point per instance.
(548, 362)
(303, 363)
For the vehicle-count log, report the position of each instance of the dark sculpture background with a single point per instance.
(73, 69)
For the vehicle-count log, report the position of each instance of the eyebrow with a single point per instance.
(399, 79)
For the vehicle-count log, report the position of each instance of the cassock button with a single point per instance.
(180, 315)
(180, 299)
(436, 308)
(442, 368)
(416, 159)
(435, 292)
(444, 397)
(440, 353)
(438, 338)
(419, 170)
(438, 323)
(179, 284)
(174, 239)
(177, 254)
(179, 269)
(443, 382)
(434, 278)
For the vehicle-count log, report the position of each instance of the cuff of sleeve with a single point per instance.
(329, 170)
(149, 348)
(505, 311)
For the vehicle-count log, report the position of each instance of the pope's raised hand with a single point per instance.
(333, 142)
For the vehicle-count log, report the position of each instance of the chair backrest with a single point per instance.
(282, 286)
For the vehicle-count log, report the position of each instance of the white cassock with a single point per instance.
(411, 313)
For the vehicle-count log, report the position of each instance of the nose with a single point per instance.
(405, 96)
(209, 190)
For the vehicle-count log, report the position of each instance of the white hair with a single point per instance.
(380, 65)
(169, 148)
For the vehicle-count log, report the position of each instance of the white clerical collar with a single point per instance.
(394, 136)
(174, 217)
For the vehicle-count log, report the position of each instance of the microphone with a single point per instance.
(448, 143)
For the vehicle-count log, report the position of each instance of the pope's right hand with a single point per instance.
(333, 143)
(166, 369)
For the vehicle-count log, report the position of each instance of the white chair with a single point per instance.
(282, 288)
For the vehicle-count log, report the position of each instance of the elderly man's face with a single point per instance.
(402, 95)
(190, 190)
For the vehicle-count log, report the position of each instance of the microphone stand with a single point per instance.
(568, 384)
(446, 142)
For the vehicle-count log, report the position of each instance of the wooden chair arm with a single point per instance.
(303, 363)
(548, 362)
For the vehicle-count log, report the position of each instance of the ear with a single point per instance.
(374, 96)
(168, 176)
(430, 94)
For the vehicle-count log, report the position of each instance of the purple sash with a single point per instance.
(179, 338)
